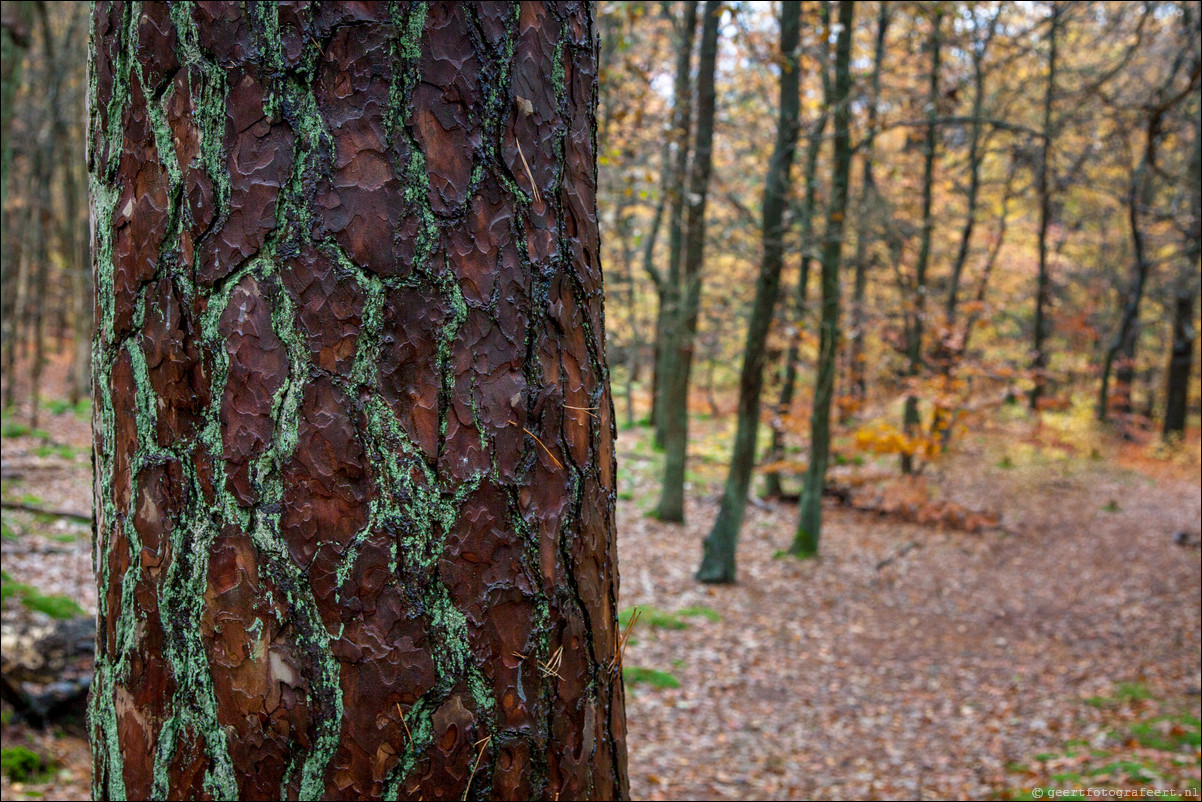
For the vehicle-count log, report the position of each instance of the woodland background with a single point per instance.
(1020, 256)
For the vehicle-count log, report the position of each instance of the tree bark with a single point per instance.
(678, 344)
(809, 527)
(353, 432)
(718, 560)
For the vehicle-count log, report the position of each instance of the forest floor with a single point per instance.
(1057, 646)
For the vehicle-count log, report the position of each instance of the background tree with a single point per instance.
(916, 288)
(1047, 135)
(353, 430)
(868, 218)
(1163, 92)
(809, 527)
(1185, 292)
(718, 561)
(677, 147)
(808, 251)
(677, 347)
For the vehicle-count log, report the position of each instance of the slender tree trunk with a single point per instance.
(1039, 361)
(16, 323)
(627, 250)
(914, 331)
(81, 363)
(980, 49)
(668, 311)
(1181, 359)
(14, 39)
(39, 265)
(678, 346)
(784, 402)
(718, 560)
(950, 354)
(353, 432)
(15, 24)
(809, 527)
(1120, 356)
(869, 206)
(72, 242)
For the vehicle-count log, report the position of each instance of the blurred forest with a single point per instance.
(908, 286)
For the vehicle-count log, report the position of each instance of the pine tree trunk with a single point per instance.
(718, 561)
(353, 430)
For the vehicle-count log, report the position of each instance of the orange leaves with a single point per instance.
(884, 438)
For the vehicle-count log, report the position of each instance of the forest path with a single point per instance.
(912, 662)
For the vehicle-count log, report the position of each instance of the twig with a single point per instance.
(530, 175)
(551, 667)
(404, 724)
(540, 442)
(620, 646)
(902, 552)
(589, 410)
(483, 743)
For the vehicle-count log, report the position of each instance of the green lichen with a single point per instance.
(409, 43)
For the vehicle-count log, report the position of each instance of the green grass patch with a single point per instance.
(661, 619)
(659, 680)
(53, 605)
(49, 450)
(1133, 771)
(7, 532)
(57, 406)
(700, 611)
(1132, 691)
(10, 428)
(21, 764)
(8, 588)
(1148, 741)
(1168, 733)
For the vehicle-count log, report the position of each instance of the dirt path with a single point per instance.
(929, 677)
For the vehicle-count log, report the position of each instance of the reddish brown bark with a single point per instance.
(354, 436)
